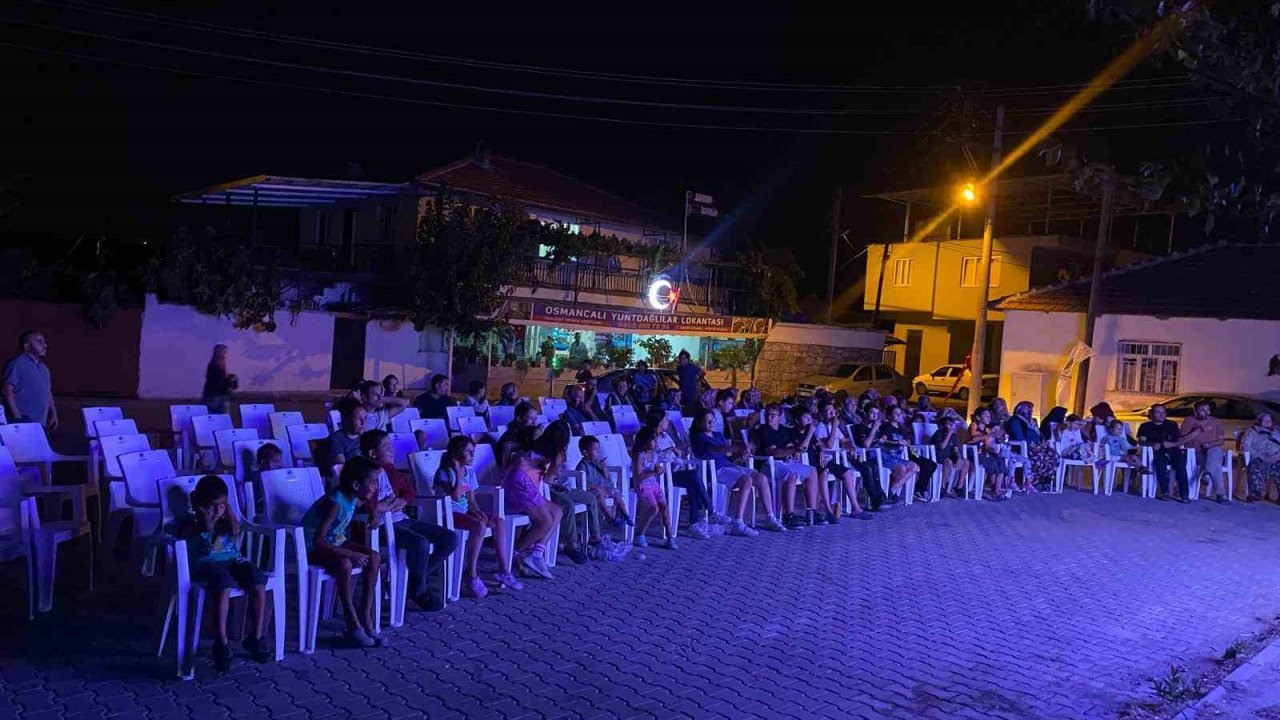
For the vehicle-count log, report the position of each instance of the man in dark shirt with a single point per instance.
(865, 436)
(432, 403)
(687, 373)
(775, 441)
(344, 443)
(1165, 440)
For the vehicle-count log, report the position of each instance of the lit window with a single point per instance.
(902, 272)
(1147, 367)
(969, 271)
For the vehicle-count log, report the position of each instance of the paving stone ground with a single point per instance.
(1042, 607)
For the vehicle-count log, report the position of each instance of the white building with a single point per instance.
(1207, 320)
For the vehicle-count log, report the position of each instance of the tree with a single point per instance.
(659, 350)
(216, 275)
(769, 276)
(1229, 50)
(737, 356)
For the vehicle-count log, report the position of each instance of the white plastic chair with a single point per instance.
(403, 421)
(17, 539)
(552, 408)
(225, 441)
(436, 430)
(281, 421)
(395, 567)
(29, 446)
(596, 427)
(44, 536)
(118, 426)
(92, 415)
(287, 495)
(180, 424)
(335, 420)
(473, 426)
(618, 459)
(257, 417)
(300, 439)
(501, 415)
(625, 420)
(424, 465)
(112, 447)
(491, 496)
(206, 446)
(454, 413)
(1064, 464)
(403, 445)
(245, 453)
(142, 473)
(1228, 475)
(181, 589)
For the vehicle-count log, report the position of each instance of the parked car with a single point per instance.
(855, 378)
(1235, 412)
(667, 380)
(941, 380)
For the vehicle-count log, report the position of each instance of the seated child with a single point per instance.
(647, 472)
(610, 499)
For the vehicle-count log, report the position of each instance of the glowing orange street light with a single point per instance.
(968, 193)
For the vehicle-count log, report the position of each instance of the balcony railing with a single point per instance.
(580, 277)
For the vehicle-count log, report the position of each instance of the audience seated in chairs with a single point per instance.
(456, 479)
(431, 404)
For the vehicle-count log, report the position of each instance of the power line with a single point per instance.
(444, 84)
(569, 72)
(460, 106)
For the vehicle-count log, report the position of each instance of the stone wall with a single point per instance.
(781, 365)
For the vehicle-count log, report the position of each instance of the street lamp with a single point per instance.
(968, 194)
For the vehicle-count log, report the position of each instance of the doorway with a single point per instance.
(348, 352)
(911, 358)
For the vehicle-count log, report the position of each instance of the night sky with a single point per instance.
(103, 145)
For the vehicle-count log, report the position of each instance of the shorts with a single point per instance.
(783, 470)
(651, 495)
(892, 462)
(230, 575)
(731, 474)
(522, 492)
(836, 469)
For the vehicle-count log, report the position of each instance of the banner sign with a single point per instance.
(1079, 353)
(645, 320)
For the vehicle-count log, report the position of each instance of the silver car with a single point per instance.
(855, 378)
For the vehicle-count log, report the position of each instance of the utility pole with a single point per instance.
(978, 353)
(1095, 283)
(835, 237)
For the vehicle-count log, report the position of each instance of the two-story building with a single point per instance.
(929, 287)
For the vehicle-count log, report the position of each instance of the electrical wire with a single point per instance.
(568, 72)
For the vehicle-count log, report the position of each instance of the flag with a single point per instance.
(700, 204)
(1078, 354)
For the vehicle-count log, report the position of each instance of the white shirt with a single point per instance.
(376, 420)
(385, 493)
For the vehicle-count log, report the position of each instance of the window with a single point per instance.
(969, 269)
(902, 272)
(1147, 367)
(387, 222)
(883, 373)
(322, 227)
(863, 374)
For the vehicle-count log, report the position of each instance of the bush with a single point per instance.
(659, 350)
(618, 356)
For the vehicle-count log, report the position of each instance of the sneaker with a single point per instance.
(577, 556)
(379, 640)
(831, 518)
(359, 638)
(508, 581)
(1222, 500)
(526, 566)
(740, 528)
(892, 500)
(619, 521)
(772, 525)
(792, 521)
(820, 518)
(429, 601)
(721, 519)
(670, 544)
(864, 515)
(476, 588)
(257, 649)
(699, 531)
(640, 541)
(221, 657)
(539, 562)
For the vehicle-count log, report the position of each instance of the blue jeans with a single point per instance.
(699, 500)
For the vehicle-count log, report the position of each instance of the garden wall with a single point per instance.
(792, 351)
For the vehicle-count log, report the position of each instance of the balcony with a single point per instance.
(580, 277)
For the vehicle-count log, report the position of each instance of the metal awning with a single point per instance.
(276, 191)
(1035, 199)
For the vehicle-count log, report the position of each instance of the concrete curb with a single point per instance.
(1252, 686)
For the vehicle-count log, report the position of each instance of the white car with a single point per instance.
(943, 379)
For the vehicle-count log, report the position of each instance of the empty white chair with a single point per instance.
(175, 504)
(180, 424)
(17, 539)
(257, 417)
(335, 420)
(473, 427)
(403, 445)
(118, 426)
(596, 427)
(501, 415)
(280, 422)
(142, 473)
(287, 495)
(452, 414)
(300, 439)
(552, 408)
(225, 440)
(44, 536)
(436, 430)
(625, 421)
(92, 415)
(403, 421)
(111, 448)
(29, 446)
(206, 446)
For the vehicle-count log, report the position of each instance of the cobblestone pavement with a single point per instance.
(1043, 607)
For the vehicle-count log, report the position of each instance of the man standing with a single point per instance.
(1202, 434)
(578, 351)
(1165, 440)
(688, 373)
(28, 388)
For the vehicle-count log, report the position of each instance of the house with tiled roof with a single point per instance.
(1206, 320)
